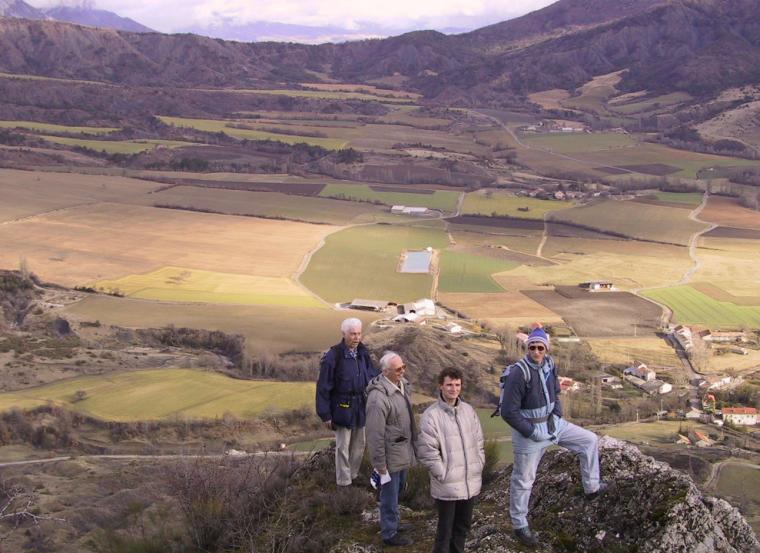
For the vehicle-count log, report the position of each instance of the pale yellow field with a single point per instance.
(730, 264)
(106, 241)
(266, 328)
(26, 193)
(549, 99)
(182, 284)
(625, 271)
(654, 352)
(500, 309)
(732, 361)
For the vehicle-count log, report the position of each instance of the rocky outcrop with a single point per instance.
(648, 508)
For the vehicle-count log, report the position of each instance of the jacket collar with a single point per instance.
(360, 349)
(445, 406)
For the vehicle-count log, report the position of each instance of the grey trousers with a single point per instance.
(349, 450)
(578, 440)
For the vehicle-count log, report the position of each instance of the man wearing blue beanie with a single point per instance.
(531, 406)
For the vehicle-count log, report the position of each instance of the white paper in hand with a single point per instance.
(385, 478)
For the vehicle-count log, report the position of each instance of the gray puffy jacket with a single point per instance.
(391, 431)
(450, 445)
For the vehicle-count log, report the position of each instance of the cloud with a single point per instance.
(173, 15)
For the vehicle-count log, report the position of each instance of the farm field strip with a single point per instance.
(271, 204)
(107, 241)
(162, 394)
(579, 143)
(117, 146)
(362, 262)
(634, 219)
(501, 204)
(729, 213)
(730, 264)
(49, 127)
(182, 284)
(693, 307)
(499, 308)
(440, 199)
(319, 94)
(216, 125)
(467, 272)
(654, 352)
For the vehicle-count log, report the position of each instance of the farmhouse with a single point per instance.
(567, 384)
(412, 311)
(746, 416)
(613, 382)
(651, 387)
(641, 371)
(682, 335)
(718, 382)
(369, 305)
(597, 286)
(408, 210)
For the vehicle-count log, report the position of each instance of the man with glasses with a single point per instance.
(532, 408)
(391, 436)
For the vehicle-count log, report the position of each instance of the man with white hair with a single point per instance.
(344, 373)
(391, 437)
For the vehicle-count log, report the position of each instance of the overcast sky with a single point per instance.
(176, 15)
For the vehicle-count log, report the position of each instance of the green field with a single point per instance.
(324, 94)
(634, 219)
(165, 394)
(664, 432)
(693, 307)
(467, 272)
(361, 262)
(49, 127)
(650, 103)
(192, 285)
(577, 143)
(691, 199)
(440, 199)
(215, 125)
(116, 146)
(508, 205)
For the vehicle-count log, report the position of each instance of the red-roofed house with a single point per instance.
(567, 384)
(740, 415)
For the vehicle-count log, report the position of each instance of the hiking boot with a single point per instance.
(398, 540)
(526, 537)
(600, 491)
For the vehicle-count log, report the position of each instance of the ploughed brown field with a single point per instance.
(728, 212)
(299, 188)
(719, 294)
(563, 230)
(499, 222)
(600, 314)
(732, 232)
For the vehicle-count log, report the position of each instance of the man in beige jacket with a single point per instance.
(450, 445)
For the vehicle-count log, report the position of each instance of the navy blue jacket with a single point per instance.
(341, 395)
(521, 395)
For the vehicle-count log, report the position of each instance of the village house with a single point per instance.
(719, 336)
(718, 382)
(640, 370)
(369, 305)
(652, 387)
(613, 382)
(413, 311)
(597, 286)
(745, 416)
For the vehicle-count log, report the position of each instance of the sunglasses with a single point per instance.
(536, 348)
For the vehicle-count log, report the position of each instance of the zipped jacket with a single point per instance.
(342, 383)
(450, 445)
(391, 430)
(526, 403)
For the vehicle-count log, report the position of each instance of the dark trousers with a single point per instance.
(454, 519)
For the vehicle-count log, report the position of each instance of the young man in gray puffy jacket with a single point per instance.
(450, 445)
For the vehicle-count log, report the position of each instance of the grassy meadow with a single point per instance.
(507, 205)
(191, 285)
(161, 394)
(362, 262)
(693, 307)
(116, 146)
(443, 200)
(467, 272)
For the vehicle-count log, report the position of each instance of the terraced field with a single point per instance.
(487, 202)
(116, 146)
(635, 220)
(49, 127)
(362, 262)
(226, 126)
(191, 285)
(165, 394)
(693, 307)
(443, 200)
(467, 272)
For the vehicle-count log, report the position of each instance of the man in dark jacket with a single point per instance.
(532, 408)
(344, 372)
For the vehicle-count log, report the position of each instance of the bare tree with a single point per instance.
(18, 506)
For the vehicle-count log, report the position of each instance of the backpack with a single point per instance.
(503, 382)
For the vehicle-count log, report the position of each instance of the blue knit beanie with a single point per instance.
(538, 335)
